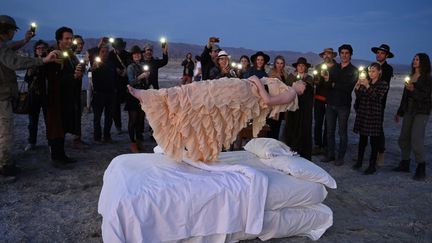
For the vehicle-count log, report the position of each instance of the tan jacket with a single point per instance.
(9, 62)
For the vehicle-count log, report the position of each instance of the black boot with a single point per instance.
(404, 166)
(371, 169)
(357, 165)
(360, 156)
(420, 173)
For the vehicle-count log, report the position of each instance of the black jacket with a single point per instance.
(154, 65)
(206, 63)
(341, 85)
(421, 97)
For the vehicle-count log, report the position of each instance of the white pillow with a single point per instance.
(266, 148)
(301, 168)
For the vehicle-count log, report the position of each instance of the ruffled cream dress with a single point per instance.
(202, 116)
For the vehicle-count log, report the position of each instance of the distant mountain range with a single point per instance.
(179, 51)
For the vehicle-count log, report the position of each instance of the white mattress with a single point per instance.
(151, 198)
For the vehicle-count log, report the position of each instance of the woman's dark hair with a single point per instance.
(198, 58)
(38, 43)
(79, 37)
(247, 58)
(425, 65)
(60, 31)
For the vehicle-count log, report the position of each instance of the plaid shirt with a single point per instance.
(369, 117)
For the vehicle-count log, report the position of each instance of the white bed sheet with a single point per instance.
(151, 198)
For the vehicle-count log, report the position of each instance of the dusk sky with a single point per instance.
(261, 25)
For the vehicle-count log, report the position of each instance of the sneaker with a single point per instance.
(327, 159)
(29, 147)
(380, 159)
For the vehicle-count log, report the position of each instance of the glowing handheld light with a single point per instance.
(163, 41)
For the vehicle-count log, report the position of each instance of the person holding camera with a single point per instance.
(104, 93)
(209, 57)
(369, 114)
(64, 78)
(9, 62)
(414, 111)
(138, 78)
(37, 89)
(223, 68)
(155, 63)
(121, 59)
(320, 100)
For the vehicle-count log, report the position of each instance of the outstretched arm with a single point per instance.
(283, 98)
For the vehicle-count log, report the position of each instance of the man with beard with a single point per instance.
(321, 91)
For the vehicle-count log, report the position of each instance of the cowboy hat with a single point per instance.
(119, 43)
(301, 60)
(260, 53)
(328, 50)
(383, 47)
(222, 53)
(135, 49)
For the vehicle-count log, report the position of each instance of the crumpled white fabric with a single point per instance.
(175, 201)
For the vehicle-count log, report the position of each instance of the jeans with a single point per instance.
(102, 103)
(412, 136)
(320, 138)
(6, 133)
(36, 103)
(339, 114)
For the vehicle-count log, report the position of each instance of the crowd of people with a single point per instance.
(55, 75)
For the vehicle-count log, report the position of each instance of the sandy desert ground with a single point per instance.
(51, 205)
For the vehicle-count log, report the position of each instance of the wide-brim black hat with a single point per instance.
(385, 48)
(135, 49)
(301, 60)
(260, 53)
(119, 43)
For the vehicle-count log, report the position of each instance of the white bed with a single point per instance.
(151, 198)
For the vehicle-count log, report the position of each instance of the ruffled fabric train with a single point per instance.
(201, 117)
